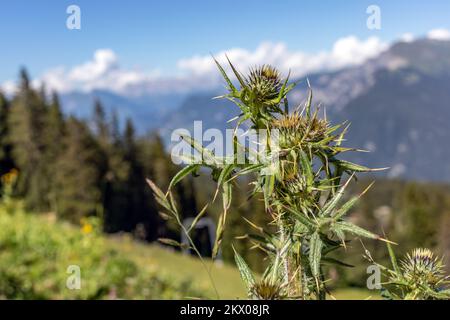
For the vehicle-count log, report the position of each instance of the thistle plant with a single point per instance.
(301, 178)
(420, 275)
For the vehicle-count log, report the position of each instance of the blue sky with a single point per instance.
(156, 34)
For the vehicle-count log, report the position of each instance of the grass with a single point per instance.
(355, 294)
(178, 267)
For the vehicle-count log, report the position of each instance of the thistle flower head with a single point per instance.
(265, 83)
(295, 183)
(294, 129)
(266, 290)
(421, 266)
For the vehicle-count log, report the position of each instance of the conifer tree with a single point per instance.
(420, 227)
(26, 123)
(100, 122)
(53, 134)
(141, 205)
(113, 170)
(6, 163)
(77, 178)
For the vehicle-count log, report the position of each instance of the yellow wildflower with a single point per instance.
(87, 228)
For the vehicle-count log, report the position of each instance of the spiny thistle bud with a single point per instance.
(296, 130)
(265, 290)
(295, 184)
(265, 83)
(422, 267)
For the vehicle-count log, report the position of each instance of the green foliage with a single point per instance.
(418, 207)
(36, 251)
(77, 177)
(6, 162)
(26, 122)
(245, 271)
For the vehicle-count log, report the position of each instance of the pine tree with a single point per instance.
(141, 205)
(113, 170)
(101, 125)
(418, 211)
(53, 134)
(161, 168)
(116, 135)
(26, 123)
(6, 163)
(77, 178)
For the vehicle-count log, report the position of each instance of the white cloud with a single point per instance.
(8, 87)
(345, 52)
(103, 71)
(104, 61)
(439, 34)
(407, 37)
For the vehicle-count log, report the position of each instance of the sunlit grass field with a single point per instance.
(180, 267)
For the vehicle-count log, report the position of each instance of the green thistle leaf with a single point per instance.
(349, 204)
(354, 229)
(226, 200)
(269, 184)
(393, 259)
(353, 167)
(244, 270)
(223, 177)
(207, 156)
(231, 87)
(315, 254)
(237, 74)
(307, 169)
(309, 101)
(331, 205)
(302, 218)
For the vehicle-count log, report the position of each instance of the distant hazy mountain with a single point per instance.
(147, 112)
(404, 116)
(398, 104)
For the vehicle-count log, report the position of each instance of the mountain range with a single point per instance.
(398, 104)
